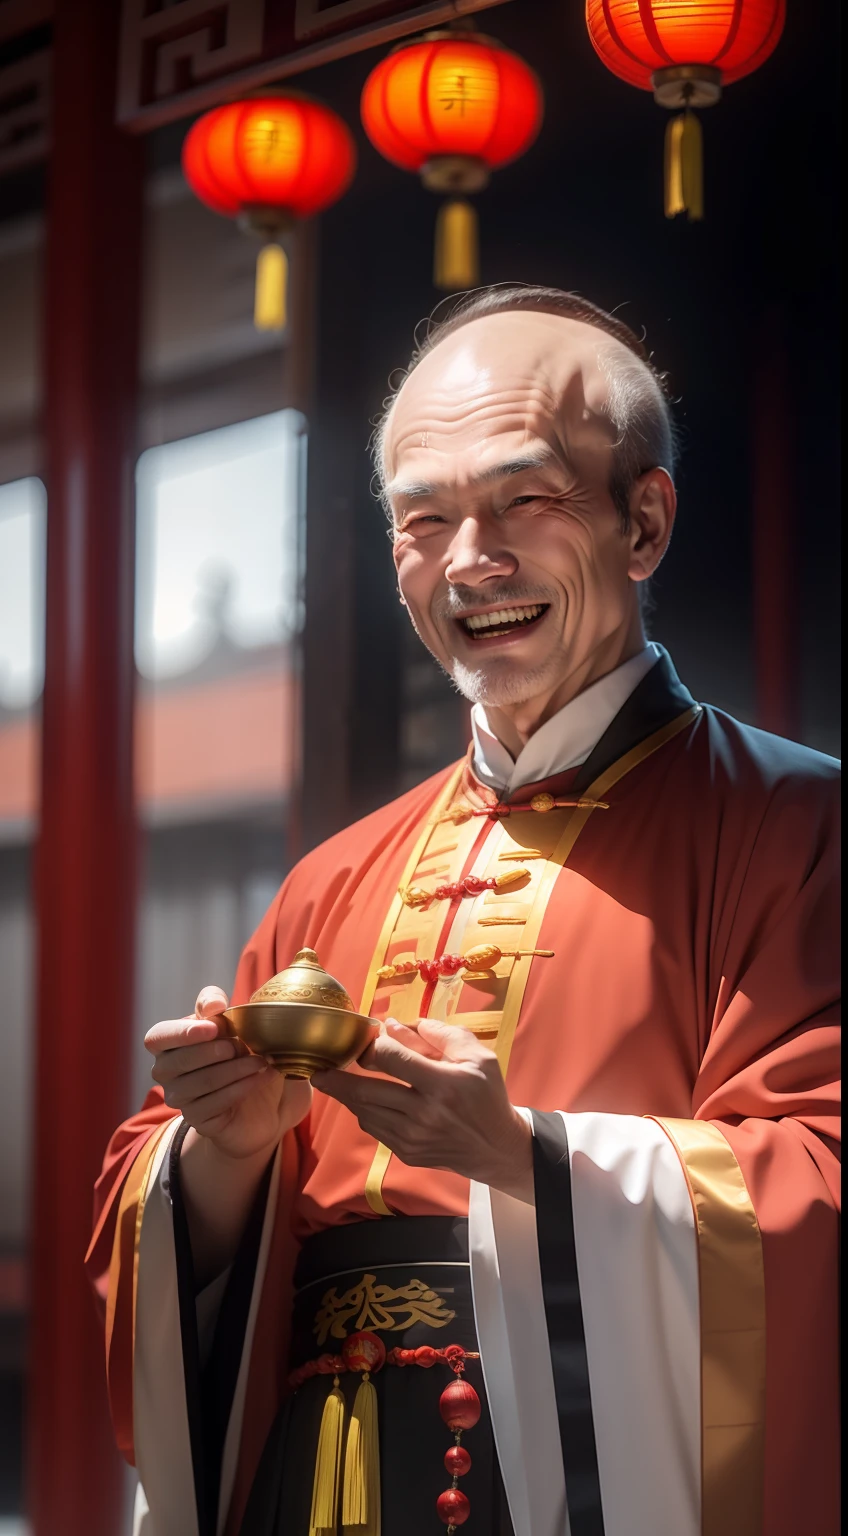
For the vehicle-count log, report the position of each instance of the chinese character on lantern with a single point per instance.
(269, 161)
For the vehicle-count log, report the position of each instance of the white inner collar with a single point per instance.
(567, 738)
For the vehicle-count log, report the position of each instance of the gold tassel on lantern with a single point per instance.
(328, 1466)
(456, 264)
(361, 1492)
(269, 305)
(684, 167)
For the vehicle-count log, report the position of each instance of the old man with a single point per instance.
(559, 1252)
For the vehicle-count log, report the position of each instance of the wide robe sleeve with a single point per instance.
(145, 1289)
(661, 1331)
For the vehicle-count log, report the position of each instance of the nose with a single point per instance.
(477, 554)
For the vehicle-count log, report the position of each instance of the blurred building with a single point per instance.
(279, 691)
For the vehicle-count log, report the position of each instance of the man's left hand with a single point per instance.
(446, 1106)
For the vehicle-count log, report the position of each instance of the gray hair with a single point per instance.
(637, 403)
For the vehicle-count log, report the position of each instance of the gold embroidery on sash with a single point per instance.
(368, 1305)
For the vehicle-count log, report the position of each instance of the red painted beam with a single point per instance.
(85, 870)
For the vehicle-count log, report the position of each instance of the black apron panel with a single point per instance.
(413, 1437)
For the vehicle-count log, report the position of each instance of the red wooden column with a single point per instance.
(85, 872)
(775, 548)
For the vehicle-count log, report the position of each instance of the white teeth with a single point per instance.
(502, 616)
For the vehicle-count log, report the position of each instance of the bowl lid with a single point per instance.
(304, 981)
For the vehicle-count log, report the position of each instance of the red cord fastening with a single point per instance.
(469, 885)
(453, 1355)
(480, 958)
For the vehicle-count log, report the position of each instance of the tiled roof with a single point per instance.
(225, 741)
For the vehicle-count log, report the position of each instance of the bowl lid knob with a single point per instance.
(305, 981)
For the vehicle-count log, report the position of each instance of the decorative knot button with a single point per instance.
(542, 802)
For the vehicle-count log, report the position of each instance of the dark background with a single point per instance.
(583, 210)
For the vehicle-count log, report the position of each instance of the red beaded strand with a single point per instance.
(459, 1406)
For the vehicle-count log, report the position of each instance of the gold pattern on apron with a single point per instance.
(369, 1305)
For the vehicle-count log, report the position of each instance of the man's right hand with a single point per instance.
(228, 1095)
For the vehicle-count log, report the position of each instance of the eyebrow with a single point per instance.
(416, 490)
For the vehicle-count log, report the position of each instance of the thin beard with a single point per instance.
(473, 685)
(497, 691)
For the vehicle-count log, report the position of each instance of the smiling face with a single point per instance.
(510, 552)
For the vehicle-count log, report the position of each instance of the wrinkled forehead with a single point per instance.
(537, 376)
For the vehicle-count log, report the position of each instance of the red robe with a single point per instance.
(695, 976)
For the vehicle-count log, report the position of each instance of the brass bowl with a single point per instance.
(302, 1021)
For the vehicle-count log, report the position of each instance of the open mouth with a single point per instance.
(502, 621)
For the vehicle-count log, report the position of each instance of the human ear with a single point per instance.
(652, 505)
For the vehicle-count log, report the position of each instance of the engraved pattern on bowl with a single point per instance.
(302, 1020)
(299, 1038)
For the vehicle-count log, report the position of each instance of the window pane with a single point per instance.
(217, 631)
(22, 510)
(22, 529)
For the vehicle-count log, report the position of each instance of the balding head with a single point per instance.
(525, 462)
(634, 404)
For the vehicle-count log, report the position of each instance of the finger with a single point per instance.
(393, 1130)
(388, 1054)
(189, 1058)
(412, 1038)
(452, 1043)
(211, 1106)
(408, 1035)
(363, 1092)
(386, 1125)
(171, 1034)
(190, 1086)
(211, 1002)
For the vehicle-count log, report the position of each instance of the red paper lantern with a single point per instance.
(684, 51)
(269, 161)
(453, 105)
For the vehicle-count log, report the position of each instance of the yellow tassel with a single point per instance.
(361, 1492)
(328, 1466)
(269, 304)
(456, 262)
(684, 167)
